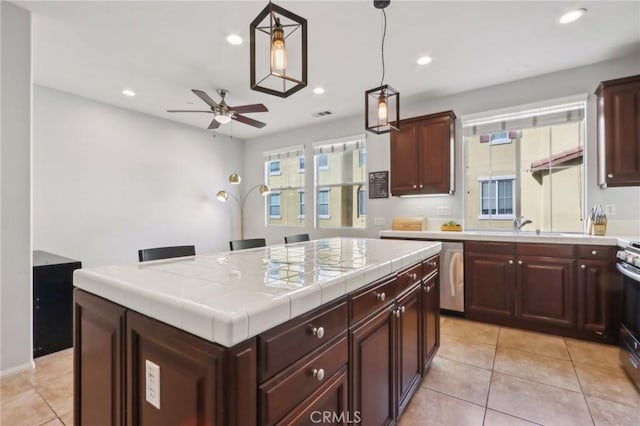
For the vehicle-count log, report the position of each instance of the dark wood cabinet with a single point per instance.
(619, 132)
(52, 302)
(409, 351)
(490, 284)
(430, 319)
(422, 155)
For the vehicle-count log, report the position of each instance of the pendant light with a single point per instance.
(382, 104)
(283, 36)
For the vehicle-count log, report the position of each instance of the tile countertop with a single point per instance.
(228, 297)
(521, 237)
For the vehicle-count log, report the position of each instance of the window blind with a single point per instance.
(288, 152)
(352, 143)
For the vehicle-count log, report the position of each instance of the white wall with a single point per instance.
(108, 181)
(556, 85)
(15, 189)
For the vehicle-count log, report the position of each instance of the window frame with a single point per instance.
(500, 141)
(275, 173)
(325, 166)
(269, 205)
(496, 179)
(328, 203)
(301, 205)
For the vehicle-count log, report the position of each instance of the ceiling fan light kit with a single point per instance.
(278, 52)
(382, 104)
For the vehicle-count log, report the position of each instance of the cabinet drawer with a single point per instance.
(546, 250)
(369, 300)
(285, 391)
(486, 247)
(408, 277)
(430, 265)
(597, 252)
(286, 343)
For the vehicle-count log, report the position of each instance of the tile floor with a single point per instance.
(482, 375)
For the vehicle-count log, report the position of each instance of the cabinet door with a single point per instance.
(98, 361)
(430, 320)
(489, 284)
(409, 363)
(434, 153)
(619, 113)
(371, 372)
(545, 291)
(598, 294)
(405, 174)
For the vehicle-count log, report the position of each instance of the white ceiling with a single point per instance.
(163, 49)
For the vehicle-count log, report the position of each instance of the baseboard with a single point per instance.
(18, 369)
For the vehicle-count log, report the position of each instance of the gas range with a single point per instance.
(630, 254)
(629, 266)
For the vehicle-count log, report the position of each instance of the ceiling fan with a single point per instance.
(223, 113)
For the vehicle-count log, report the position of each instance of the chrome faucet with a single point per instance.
(518, 224)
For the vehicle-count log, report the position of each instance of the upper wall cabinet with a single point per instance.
(422, 155)
(619, 132)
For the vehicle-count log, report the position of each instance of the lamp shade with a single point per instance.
(278, 52)
(382, 109)
(235, 178)
(222, 196)
(223, 118)
(264, 190)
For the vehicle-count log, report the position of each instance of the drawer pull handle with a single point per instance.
(594, 252)
(318, 332)
(583, 266)
(511, 262)
(318, 373)
(381, 296)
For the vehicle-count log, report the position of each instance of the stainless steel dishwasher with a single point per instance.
(452, 277)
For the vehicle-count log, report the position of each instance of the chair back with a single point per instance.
(165, 252)
(247, 244)
(298, 238)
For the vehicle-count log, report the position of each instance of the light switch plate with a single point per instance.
(152, 373)
(610, 209)
(443, 211)
(379, 221)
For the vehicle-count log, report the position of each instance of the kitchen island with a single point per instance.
(338, 327)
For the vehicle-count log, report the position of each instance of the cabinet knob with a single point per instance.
(599, 333)
(318, 332)
(415, 186)
(420, 185)
(594, 252)
(381, 296)
(397, 312)
(433, 264)
(583, 266)
(511, 262)
(402, 309)
(519, 262)
(428, 288)
(414, 276)
(610, 175)
(318, 373)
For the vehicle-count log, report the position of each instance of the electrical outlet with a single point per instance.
(152, 372)
(610, 209)
(420, 211)
(443, 211)
(379, 221)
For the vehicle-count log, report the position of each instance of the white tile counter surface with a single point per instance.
(228, 297)
(507, 236)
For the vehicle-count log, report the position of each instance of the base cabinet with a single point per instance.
(409, 365)
(490, 284)
(430, 320)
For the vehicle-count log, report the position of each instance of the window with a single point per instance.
(323, 204)
(323, 162)
(285, 175)
(274, 168)
(526, 162)
(362, 202)
(300, 204)
(274, 205)
(338, 189)
(496, 198)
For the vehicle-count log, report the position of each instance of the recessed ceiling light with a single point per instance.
(234, 39)
(424, 60)
(318, 90)
(128, 92)
(572, 16)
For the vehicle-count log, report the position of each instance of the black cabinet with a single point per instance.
(52, 302)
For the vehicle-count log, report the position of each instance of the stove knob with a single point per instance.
(637, 261)
(630, 258)
(620, 254)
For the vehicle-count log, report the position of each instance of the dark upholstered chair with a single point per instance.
(298, 238)
(165, 252)
(247, 244)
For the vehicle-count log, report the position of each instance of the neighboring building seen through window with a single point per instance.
(496, 198)
(323, 204)
(285, 175)
(274, 205)
(274, 168)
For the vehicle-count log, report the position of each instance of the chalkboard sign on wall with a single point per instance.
(379, 184)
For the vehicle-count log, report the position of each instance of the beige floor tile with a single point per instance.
(470, 331)
(433, 408)
(442, 319)
(593, 354)
(67, 418)
(54, 422)
(59, 394)
(542, 369)
(609, 384)
(537, 402)
(458, 349)
(494, 418)
(25, 408)
(459, 380)
(611, 413)
(14, 384)
(541, 344)
(51, 367)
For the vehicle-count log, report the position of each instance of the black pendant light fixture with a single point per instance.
(382, 104)
(278, 52)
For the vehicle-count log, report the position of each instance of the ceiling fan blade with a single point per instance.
(249, 121)
(202, 95)
(243, 109)
(214, 124)
(186, 110)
